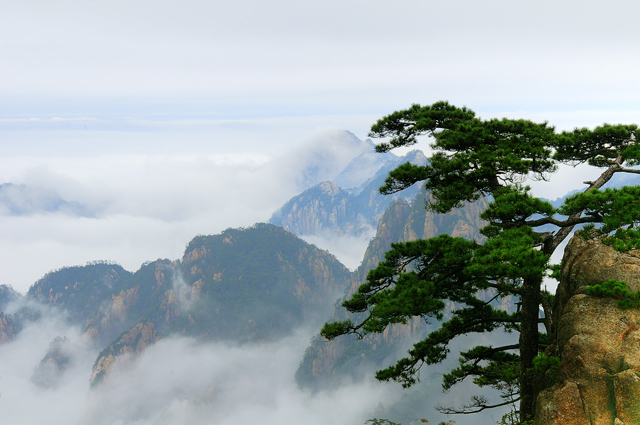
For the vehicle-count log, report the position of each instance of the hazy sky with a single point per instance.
(179, 118)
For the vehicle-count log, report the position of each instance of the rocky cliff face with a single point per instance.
(404, 222)
(322, 207)
(56, 361)
(329, 208)
(598, 343)
(8, 328)
(328, 361)
(147, 293)
(123, 349)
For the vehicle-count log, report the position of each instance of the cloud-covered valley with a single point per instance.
(176, 381)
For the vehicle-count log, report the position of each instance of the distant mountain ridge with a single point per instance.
(244, 285)
(336, 156)
(20, 199)
(329, 208)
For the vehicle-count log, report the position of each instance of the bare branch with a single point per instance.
(503, 287)
(630, 170)
(492, 351)
(570, 222)
(477, 404)
(552, 243)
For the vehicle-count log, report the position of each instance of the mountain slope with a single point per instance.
(243, 285)
(325, 363)
(328, 208)
(257, 284)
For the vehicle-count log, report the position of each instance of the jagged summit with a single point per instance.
(327, 156)
(243, 285)
(362, 167)
(330, 209)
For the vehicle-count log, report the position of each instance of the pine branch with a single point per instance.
(479, 403)
(562, 234)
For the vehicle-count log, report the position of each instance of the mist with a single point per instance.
(144, 207)
(176, 381)
(349, 249)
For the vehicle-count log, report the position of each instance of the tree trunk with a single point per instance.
(528, 346)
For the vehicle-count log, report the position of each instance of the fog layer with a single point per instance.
(176, 381)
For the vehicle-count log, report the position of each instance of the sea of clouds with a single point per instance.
(175, 381)
(181, 380)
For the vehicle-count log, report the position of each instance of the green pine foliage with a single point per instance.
(546, 367)
(617, 290)
(613, 208)
(624, 240)
(478, 159)
(599, 147)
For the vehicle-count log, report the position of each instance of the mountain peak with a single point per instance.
(330, 156)
(416, 157)
(329, 188)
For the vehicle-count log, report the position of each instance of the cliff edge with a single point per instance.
(598, 378)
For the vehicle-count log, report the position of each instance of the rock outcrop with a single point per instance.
(598, 343)
(56, 361)
(326, 362)
(329, 208)
(8, 328)
(123, 349)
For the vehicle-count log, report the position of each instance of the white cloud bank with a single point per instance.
(150, 199)
(177, 381)
(150, 206)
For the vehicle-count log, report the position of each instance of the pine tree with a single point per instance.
(476, 158)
